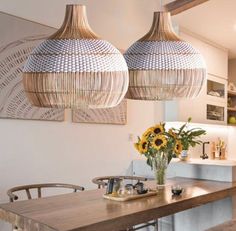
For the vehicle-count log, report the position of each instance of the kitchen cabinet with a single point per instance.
(216, 89)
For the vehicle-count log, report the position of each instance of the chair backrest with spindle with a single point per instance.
(27, 188)
(103, 181)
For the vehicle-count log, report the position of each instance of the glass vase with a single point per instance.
(160, 164)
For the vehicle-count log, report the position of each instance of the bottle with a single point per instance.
(213, 150)
(217, 152)
(110, 186)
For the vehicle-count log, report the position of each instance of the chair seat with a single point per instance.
(227, 226)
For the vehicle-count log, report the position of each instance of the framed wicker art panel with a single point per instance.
(116, 115)
(16, 44)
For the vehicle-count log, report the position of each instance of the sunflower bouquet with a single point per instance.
(156, 141)
(159, 146)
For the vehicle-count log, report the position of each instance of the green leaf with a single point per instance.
(149, 161)
(182, 128)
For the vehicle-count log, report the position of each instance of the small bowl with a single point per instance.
(176, 190)
(143, 191)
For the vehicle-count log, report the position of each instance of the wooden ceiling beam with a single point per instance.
(179, 6)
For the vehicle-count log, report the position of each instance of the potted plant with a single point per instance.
(188, 137)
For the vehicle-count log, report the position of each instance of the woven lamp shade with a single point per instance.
(74, 68)
(162, 66)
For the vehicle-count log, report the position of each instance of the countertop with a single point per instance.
(206, 162)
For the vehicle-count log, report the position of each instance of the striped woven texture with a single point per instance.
(75, 69)
(163, 55)
(75, 55)
(162, 66)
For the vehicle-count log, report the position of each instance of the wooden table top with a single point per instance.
(88, 211)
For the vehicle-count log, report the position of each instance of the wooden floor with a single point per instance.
(89, 211)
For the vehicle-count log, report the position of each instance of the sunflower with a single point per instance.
(178, 147)
(159, 141)
(142, 146)
(172, 133)
(136, 145)
(147, 133)
(159, 128)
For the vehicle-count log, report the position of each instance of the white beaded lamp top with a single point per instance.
(75, 48)
(75, 55)
(151, 55)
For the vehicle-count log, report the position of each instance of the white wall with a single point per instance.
(37, 151)
(119, 21)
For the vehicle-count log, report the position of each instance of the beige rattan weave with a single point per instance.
(162, 66)
(74, 68)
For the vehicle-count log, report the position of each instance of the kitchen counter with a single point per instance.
(204, 216)
(206, 162)
(219, 170)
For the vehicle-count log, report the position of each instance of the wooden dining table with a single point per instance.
(89, 211)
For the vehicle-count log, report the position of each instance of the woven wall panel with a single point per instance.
(116, 115)
(13, 54)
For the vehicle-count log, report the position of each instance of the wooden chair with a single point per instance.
(27, 188)
(13, 197)
(103, 181)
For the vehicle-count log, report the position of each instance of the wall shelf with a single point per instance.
(215, 88)
(231, 93)
(232, 109)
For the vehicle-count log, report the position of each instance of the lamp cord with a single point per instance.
(161, 5)
(75, 2)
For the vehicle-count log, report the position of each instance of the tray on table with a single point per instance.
(129, 197)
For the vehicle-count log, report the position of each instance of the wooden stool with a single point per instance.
(227, 226)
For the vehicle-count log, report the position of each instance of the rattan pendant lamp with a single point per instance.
(162, 66)
(74, 68)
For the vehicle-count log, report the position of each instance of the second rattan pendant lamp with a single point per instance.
(74, 68)
(162, 66)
